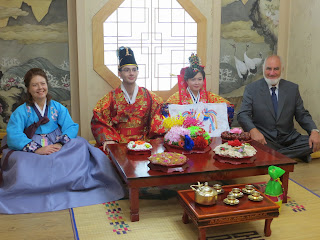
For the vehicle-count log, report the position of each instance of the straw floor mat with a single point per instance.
(161, 219)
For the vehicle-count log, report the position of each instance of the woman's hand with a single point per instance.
(47, 150)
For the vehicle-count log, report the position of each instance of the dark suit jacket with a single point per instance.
(257, 111)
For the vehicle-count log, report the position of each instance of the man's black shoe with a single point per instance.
(307, 158)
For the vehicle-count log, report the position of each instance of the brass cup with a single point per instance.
(249, 187)
(236, 190)
(217, 187)
(231, 197)
(256, 194)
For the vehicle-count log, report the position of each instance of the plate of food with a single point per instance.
(139, 147)
(235, 149)
(168, 159)
(235, 134)
(174, 148)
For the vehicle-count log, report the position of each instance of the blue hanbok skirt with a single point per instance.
(77, 175)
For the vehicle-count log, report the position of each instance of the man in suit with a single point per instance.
(268, 108)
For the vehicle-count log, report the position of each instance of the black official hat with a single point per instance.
(126, 57)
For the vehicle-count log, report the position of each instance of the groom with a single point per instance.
(268, 108)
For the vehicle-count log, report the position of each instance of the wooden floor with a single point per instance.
(57, 225)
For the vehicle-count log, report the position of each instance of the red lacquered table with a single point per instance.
(222, 214)
(134, 169)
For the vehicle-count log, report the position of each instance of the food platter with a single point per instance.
(235, 161)
(234, 158)
(139, 152)
(242, 141)
(168, 169)
(174, 148)
(139, 147)
(168, 162)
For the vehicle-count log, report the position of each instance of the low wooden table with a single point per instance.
(222, 214)
(134, 170)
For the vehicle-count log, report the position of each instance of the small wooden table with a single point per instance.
(222, 214)
(134, 170)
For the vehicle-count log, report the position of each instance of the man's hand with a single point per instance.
(105, 145)
(47, 150)
(258, 136)
(314, 141)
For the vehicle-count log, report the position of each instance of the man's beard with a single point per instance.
(272, 82)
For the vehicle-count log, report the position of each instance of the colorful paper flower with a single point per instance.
(170, 122)
(188, 143)
(186, 133)
(181, 143)
(200, 142)
(236, 130)
(175, 134)
(235, 143)
(190, 121)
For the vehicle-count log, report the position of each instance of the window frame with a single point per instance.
(98, 41)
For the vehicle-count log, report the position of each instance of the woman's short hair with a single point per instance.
(27, 79)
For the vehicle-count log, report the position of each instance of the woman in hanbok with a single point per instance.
(46, 166)
(192, 89)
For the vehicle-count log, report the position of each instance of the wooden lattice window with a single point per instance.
(162, 35)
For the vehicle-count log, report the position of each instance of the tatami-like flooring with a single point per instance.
(57, 225)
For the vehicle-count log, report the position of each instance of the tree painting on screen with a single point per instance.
(32, 34)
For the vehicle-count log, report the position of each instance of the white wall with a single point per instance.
(91, 86)
(303, 61)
